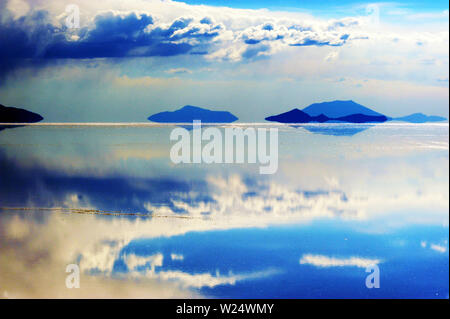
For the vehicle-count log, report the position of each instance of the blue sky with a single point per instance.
(131, 59)
(318, 5)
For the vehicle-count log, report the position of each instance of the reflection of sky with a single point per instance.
(337, 204)
(280, 248)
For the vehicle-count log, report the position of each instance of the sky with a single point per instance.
(130, 59)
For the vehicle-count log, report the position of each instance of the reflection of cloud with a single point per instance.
(184, 279)
(440, 248)
(234, 203)
(397, 185)
(325, 261)
(34, 256)
(176, 257)
(32, 253)
(206, 279)
(133, 261)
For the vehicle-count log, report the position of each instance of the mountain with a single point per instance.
(362, 118)
(330, 112)
(297, 116)
(16, 115)
(420, 118)
(189, 113)
(336, 109)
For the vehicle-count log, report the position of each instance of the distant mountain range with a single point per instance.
(420, 118)
(325, 112)
(298, 116)
(344, 112)
(337, 109)
(189, 113)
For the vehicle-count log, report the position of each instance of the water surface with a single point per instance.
(108, 199)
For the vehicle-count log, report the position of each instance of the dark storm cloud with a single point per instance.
(33, 39)
(23, 38)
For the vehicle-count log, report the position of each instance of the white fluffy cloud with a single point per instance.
(231, 34)
(391, 65)
(326, 261)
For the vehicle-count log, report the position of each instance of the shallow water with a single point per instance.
(108, 199)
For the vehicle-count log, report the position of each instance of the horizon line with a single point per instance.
(153, 124)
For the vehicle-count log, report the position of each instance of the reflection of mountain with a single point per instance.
(335, 129)
(420, 118)
(16, 115)
(336, 111)
(189, 113)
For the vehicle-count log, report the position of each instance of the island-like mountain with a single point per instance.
(16, 115)
(189, 113)
(297, 116)
(343, 112)
(420, 118)
(336, 111)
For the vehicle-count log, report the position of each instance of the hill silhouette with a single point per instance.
(190, 113)
(297, 116)
(336, 109)
(16, 115)
(420, 118)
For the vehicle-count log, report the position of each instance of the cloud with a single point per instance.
(297, 43)
(325, 261)
(38, 34)
(179, 71)
(113, 35)
(23, 38)
(144, 81)
(176, 257)
(332, 56)
(428, 15)
(33, 39)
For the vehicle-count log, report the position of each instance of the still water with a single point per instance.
(109, 199)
